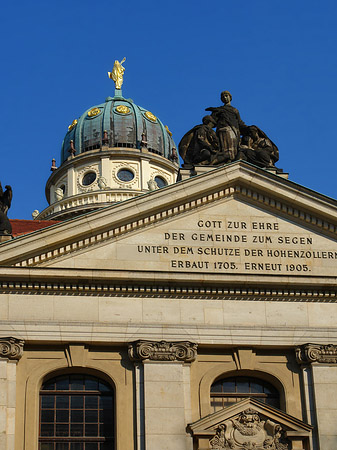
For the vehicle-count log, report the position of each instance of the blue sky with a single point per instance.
(278, 59)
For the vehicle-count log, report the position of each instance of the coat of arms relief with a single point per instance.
(249, 431)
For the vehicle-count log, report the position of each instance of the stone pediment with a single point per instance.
(233, 221)
(249, 425)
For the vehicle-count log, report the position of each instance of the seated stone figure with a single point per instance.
(199, 145)
(256, 148)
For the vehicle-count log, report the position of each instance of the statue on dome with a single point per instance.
(5, 204)
(232, 141)
(117, 73)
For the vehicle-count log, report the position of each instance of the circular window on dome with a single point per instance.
(160, 182)
(125, 175)
(88, 178)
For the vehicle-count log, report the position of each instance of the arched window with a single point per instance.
(76, 413)
(227, 391)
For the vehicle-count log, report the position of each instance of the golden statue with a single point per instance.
(117, 73)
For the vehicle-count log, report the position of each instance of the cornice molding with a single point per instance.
(315, 353)
(183, 351)
(69, 287)
(11, 348)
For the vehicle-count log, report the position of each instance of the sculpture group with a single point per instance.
(233, 140)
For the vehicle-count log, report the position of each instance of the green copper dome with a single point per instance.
(118, 122)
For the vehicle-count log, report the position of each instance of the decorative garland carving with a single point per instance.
(158, 172)
(310, 353)
(80, 174)
(248, 432)
(162, 351)
(11, 348)
(134, 168)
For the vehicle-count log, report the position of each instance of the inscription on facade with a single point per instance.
(243, 246)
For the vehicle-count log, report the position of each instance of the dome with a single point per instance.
(115, 151)
(118, 122)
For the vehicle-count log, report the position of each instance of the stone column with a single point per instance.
(163, 393)
(11, 350)
(319, 365)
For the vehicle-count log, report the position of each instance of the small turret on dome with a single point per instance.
(118, 141)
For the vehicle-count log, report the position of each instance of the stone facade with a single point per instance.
(225, 275)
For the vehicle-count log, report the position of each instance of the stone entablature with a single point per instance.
(11, 348)
(315, 353)
(163, 351)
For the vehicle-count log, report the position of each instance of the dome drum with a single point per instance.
(100, 177)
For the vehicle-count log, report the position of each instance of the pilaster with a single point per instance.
(319, 366)
(163, 393)
(11, 350)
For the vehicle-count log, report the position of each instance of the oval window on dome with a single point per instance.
(160, 182)
(88, 178)
(125, 175)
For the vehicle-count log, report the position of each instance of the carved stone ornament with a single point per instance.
(315, 353)
(248, 432)
(11, 348)
(163, 351)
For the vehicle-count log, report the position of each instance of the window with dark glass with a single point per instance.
(76, 413)
(160, 182)
(88, 178)
(125, 175)
(227, 391)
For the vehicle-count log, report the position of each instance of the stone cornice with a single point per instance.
(184, 351)
(11, 348)
(212, 286)
(315, 353)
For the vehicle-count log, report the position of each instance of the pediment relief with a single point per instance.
(249, 425)
(236, 194)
